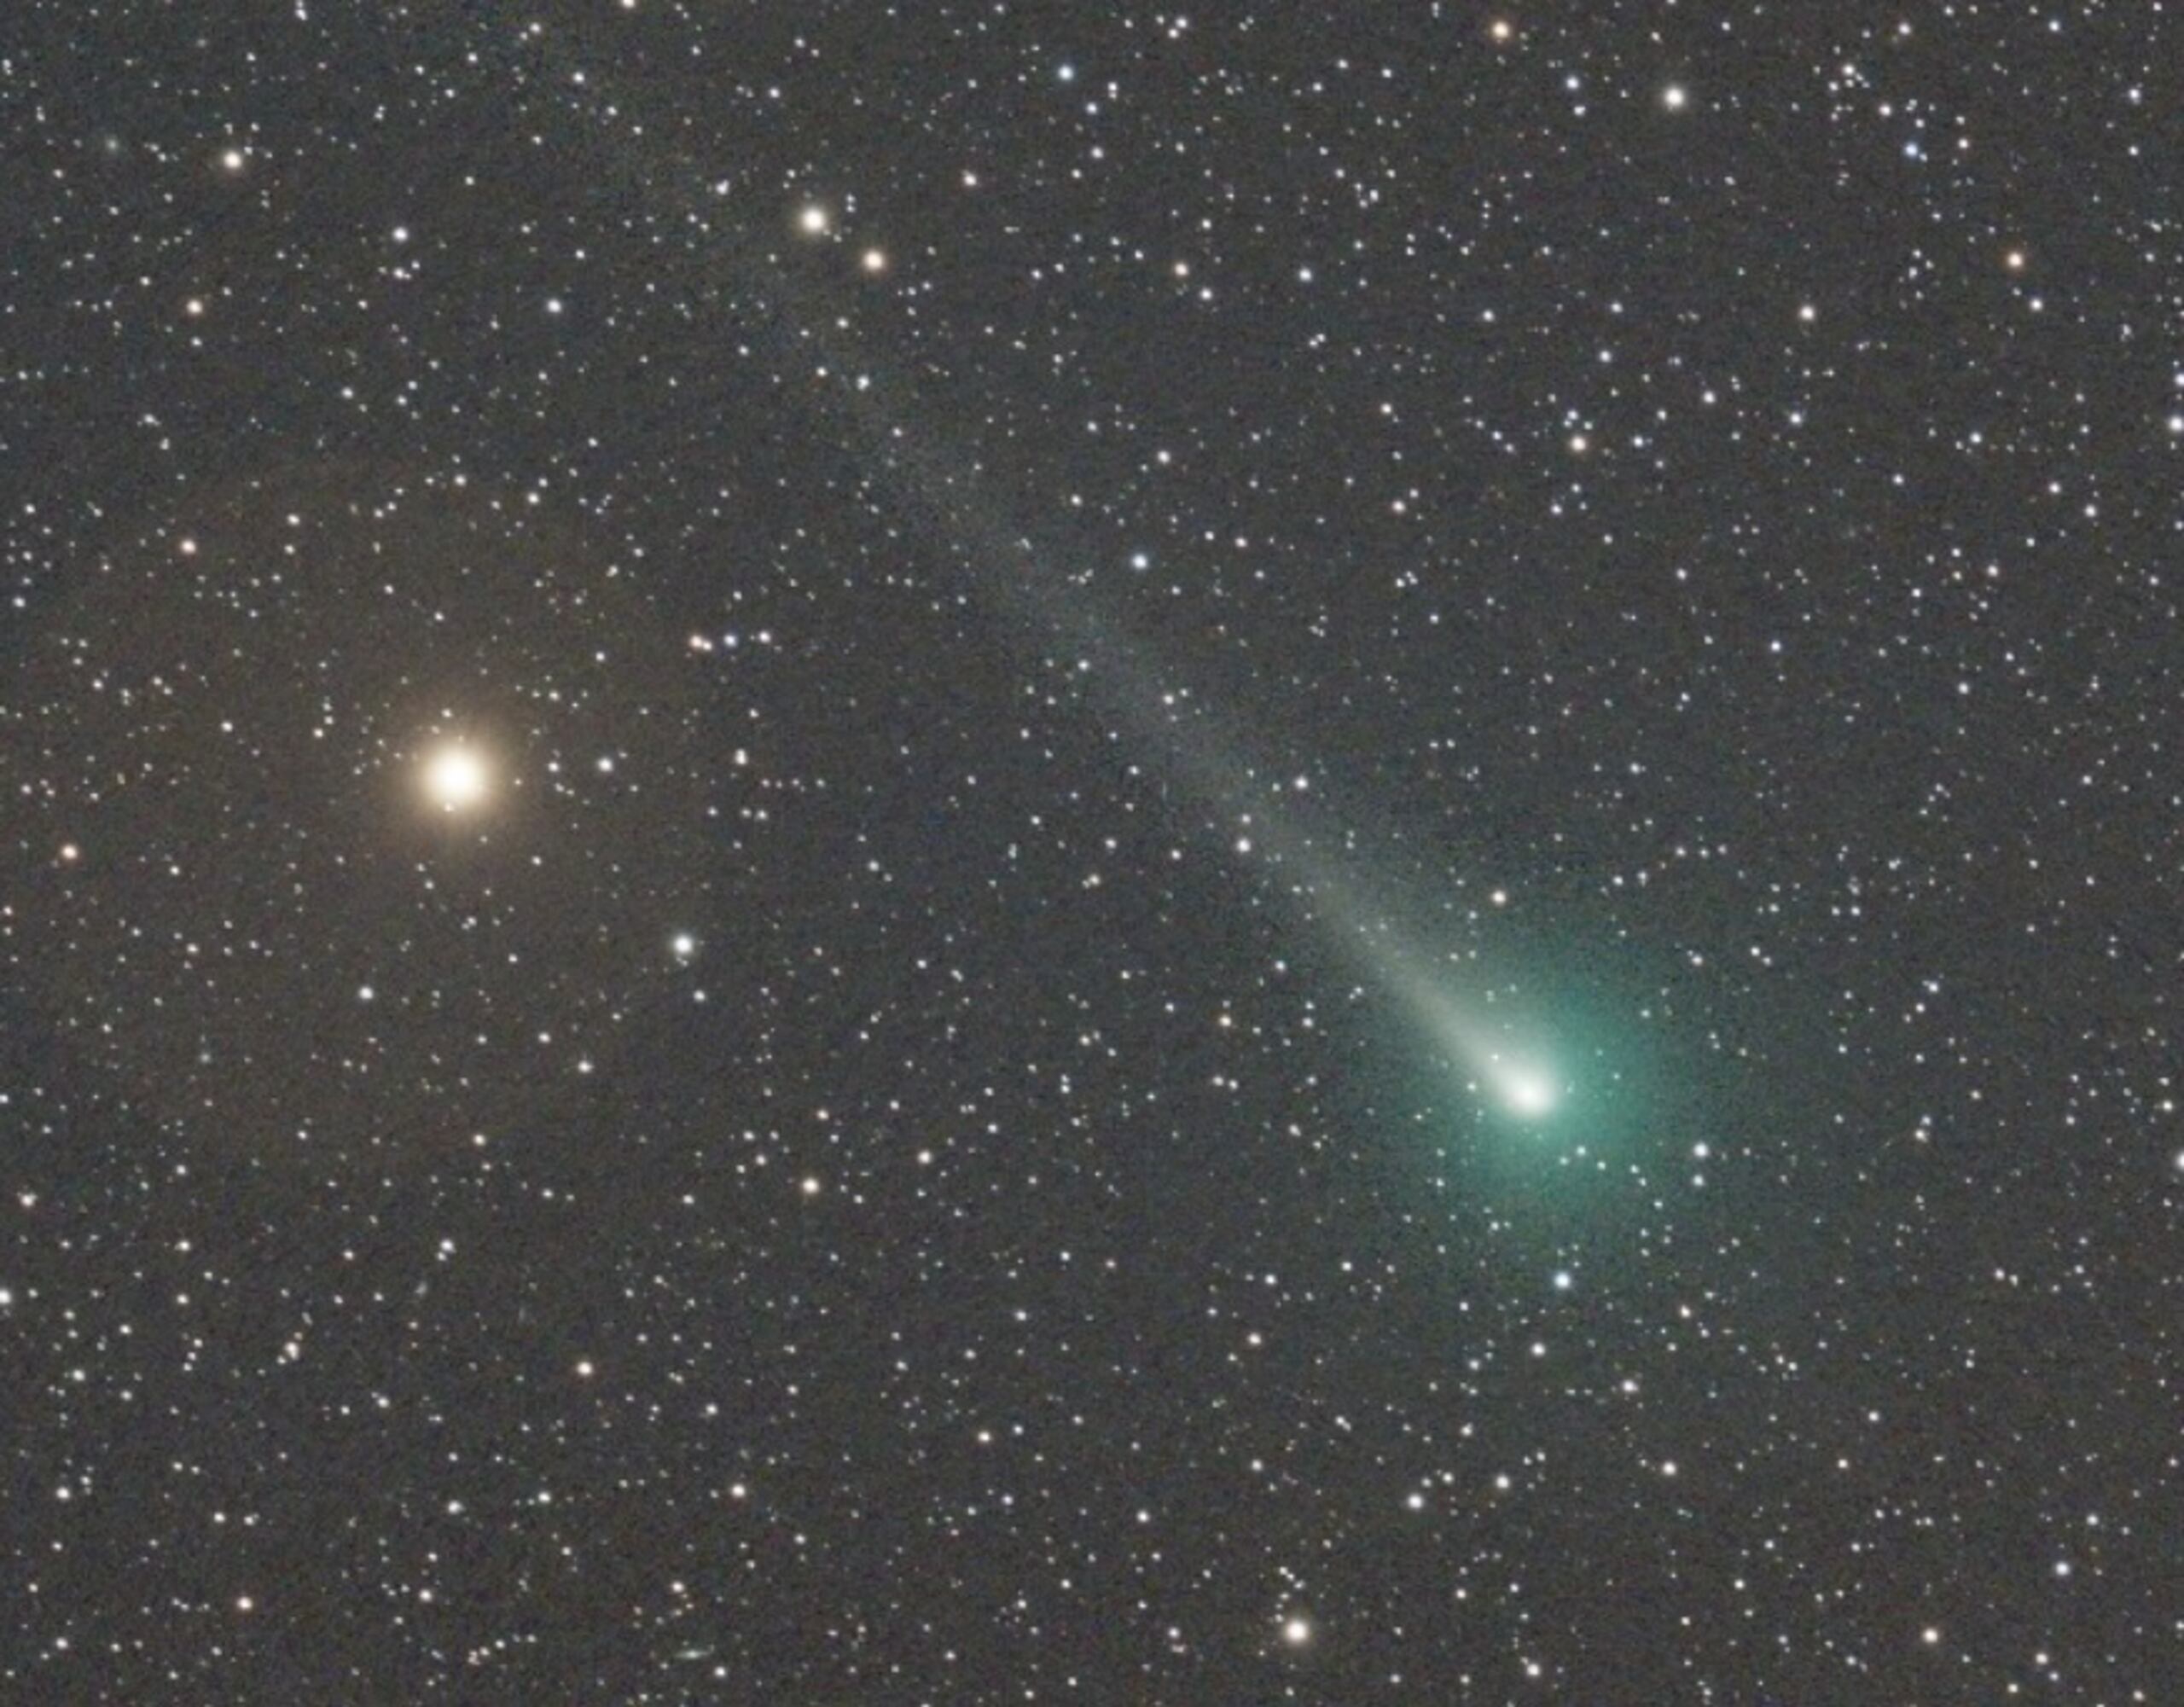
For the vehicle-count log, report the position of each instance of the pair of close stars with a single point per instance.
(815, 221)
(1501, 31)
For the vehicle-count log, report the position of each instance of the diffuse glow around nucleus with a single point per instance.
(1512, 1067)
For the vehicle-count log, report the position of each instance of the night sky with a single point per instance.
(968, 853)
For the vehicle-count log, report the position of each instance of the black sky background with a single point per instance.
(1670, 510)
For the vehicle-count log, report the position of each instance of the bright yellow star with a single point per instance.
(455, 777)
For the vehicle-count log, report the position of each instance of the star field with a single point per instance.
(975, 854)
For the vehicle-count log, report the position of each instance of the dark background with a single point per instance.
(1708, 559)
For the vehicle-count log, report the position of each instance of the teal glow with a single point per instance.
(1501, 1057)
